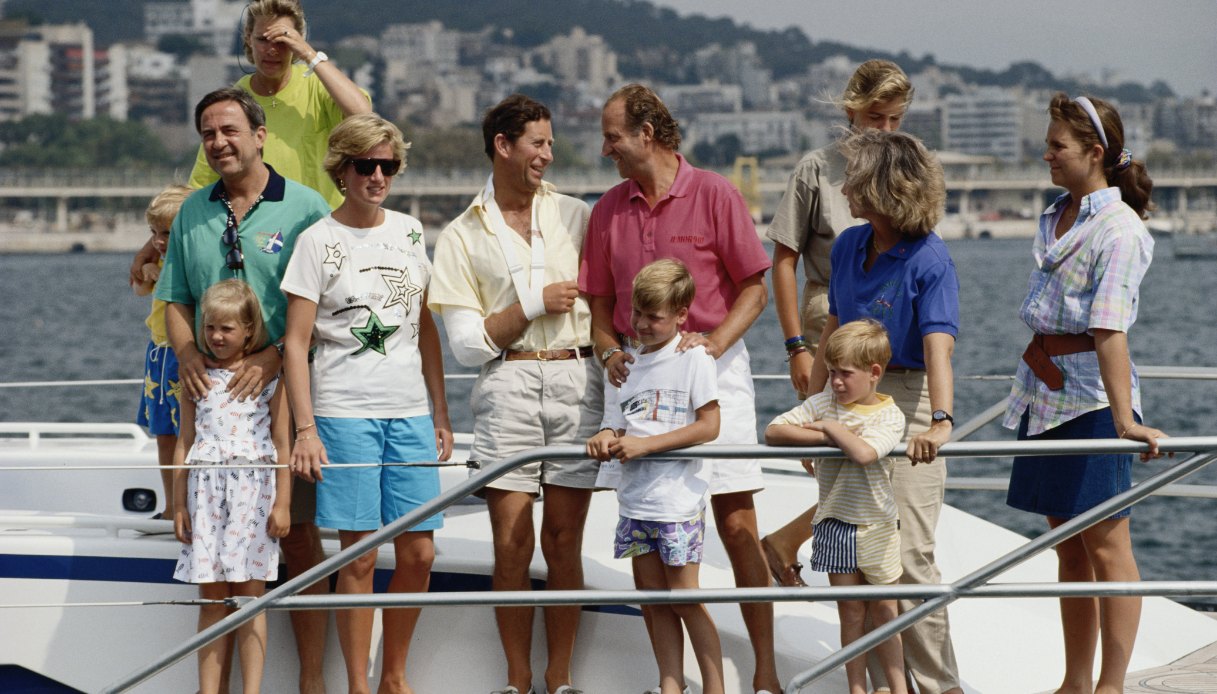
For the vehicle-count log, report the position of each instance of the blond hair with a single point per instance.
(664, 284)
(233, 299)
(163, 208)
(894, 175)
(858, 344)
(270, 9)
(358, 134)
(874, 81)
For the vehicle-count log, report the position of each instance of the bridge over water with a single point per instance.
(980, 192)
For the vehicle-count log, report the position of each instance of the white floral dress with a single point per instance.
(230, 509)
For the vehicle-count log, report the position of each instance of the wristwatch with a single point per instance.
(942, 416)
(318, 59)
(604, 356)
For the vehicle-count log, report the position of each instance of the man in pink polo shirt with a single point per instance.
(667, 209)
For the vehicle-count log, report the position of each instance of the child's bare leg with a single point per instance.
(355, 625)
(852, 614)
(415, 552)
(211, 656)
(165, 443)
(890, 652)
(251, 639)
(667, 638)
(702, 633)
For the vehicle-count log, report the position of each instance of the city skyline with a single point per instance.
(1170, 40)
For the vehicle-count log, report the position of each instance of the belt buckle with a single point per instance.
(543, 355)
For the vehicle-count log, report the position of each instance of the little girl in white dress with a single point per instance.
(229, 512)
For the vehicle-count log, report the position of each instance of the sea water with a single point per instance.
(72, 317)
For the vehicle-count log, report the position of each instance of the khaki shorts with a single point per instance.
(814, 313)
(524, 404)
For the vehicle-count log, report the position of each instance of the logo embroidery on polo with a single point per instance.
(270, 243)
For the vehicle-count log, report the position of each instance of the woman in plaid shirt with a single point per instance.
(1076, 379)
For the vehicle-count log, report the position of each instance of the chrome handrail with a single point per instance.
(256, 606)
(1000, 565)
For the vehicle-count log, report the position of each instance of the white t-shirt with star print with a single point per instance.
(368, 285)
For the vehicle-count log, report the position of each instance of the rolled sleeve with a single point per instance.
(467, 336)
(454, 282)
(1121, 266)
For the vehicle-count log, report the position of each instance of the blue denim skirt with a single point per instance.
(1064, 486)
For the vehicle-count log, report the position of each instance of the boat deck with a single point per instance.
(1195, 672)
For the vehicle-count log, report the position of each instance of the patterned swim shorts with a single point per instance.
(678, 543)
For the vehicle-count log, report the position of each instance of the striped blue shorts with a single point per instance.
(838, 547)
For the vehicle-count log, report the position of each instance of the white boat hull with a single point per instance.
(1008, 645)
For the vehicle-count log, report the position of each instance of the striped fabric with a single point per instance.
(858, 494)
(1087, 279)
(834, 547)
(872, 550)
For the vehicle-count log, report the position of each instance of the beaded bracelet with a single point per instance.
(792, 347)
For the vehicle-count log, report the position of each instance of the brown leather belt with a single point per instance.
(548, 354)
(1042, 347)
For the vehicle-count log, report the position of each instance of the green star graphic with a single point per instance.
(372, 335)
(415, 236)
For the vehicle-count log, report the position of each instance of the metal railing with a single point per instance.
(936, 597)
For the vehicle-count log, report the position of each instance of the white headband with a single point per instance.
(1094, 118)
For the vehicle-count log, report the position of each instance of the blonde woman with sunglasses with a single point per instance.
(360, 401)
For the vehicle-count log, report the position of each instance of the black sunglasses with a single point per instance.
(367, 167)
(235, 259)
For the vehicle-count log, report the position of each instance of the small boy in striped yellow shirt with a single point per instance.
(857, 528)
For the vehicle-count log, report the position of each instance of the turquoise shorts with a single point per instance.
(365, 498)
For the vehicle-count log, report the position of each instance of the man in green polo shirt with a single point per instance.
(244, 226)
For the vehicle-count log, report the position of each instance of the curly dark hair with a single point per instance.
(642, 106)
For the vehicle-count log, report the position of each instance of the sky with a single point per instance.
(1140, 40)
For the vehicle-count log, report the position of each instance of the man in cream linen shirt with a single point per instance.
(505, 283)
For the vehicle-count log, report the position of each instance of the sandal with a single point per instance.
(784, 574)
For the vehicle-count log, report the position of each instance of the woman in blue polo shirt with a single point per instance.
(896, 270)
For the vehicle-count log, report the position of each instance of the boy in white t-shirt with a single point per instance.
(669, 401)
(857, 528)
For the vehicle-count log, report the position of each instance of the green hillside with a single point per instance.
(650, 41)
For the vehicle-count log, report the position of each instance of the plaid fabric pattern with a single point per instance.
(1087, 279)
